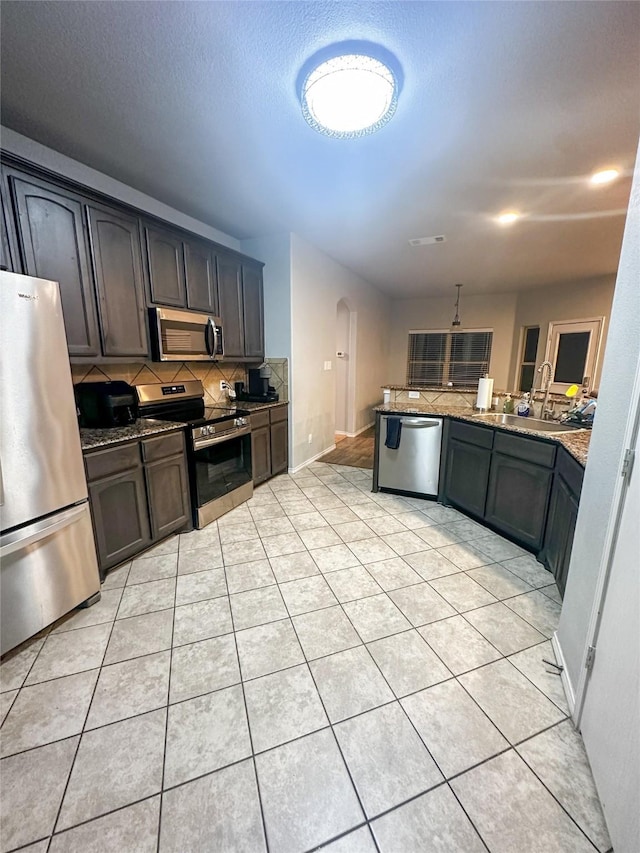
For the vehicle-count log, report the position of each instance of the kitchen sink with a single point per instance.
(534, 424)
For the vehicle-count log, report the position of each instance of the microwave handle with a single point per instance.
(210, 337)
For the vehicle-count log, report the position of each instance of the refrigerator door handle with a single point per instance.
(1, 486)
(16, 542)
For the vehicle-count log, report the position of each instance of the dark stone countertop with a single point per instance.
(256, 407)
(575, 441)
(92, 439)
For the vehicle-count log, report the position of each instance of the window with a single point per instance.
(572, 347)
(528, 359)
(440, 358)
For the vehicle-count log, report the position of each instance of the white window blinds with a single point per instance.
(438, 358)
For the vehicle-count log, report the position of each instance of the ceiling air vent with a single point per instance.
(428, 241)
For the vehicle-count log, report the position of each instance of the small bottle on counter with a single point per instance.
(386, 396)
(524, 406)
(507, 406)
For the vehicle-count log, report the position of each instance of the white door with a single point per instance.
(610, 721)
(573, 349)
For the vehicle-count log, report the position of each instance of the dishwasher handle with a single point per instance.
(419, 422)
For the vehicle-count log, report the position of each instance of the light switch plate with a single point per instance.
(327, 365)
(414, 395)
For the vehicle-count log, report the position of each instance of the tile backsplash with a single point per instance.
(210, 375)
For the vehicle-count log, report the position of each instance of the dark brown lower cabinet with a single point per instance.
(139, 494)
(120, 516)
(561, 522)
(517, 498)
(467, 476)
(279, 440)
(168, 492)
(269, 443)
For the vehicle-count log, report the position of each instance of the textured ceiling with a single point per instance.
(504, 105)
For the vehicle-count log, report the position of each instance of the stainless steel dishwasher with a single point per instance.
(415, 465)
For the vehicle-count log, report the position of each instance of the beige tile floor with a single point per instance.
(323, 667)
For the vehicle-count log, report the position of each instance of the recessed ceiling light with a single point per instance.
(508, 217)
(605, 176)
(349, 94)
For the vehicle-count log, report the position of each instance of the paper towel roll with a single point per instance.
(485, 390)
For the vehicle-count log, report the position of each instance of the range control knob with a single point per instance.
(240, 422)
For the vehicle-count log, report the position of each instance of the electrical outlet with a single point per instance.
(224, 386)
(414, 395)
(310, 438)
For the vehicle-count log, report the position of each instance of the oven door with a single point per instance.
(185, 335)
(222, 476)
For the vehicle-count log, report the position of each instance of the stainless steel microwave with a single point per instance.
(185, 336)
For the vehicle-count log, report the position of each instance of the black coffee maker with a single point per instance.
(259, 389)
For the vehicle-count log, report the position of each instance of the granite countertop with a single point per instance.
(256, 407)
(575, 441)
(91, 439)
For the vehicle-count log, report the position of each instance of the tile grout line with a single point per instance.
(166, 721)
(246, 711)
(81, 734)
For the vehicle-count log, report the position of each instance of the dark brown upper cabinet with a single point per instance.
(115, 244)
(252, 301)
(8, 254)
(201, 277)
(53, 243)
(231, 313)
(165, 263)
(241, 308)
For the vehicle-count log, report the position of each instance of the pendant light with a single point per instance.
(456, 320)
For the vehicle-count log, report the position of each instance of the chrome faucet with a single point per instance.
(546, 413)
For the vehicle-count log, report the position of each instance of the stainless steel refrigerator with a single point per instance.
(48, 561)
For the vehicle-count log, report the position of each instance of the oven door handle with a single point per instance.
(201, 443)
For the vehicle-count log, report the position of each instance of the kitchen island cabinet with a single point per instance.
(138, 494)
(561, 522)
(467, 463)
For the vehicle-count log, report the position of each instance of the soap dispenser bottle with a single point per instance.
(524, 406)
(507, 406)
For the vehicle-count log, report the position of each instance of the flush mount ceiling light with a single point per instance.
(605, 176)
(508, 217)
(350, 91)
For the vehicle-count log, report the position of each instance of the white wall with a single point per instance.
(47, 158)
(489, 311)
(606, 446)
(318, 283)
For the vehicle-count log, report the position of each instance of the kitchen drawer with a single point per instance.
(527, 449)
(102, 463)
(259, 419)
(278, 413)
(480, 436)
(162, 446)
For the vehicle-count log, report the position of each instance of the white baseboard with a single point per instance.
(564, 676)
(309, 461)
(354, 434)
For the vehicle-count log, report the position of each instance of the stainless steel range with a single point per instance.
(218, 445)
